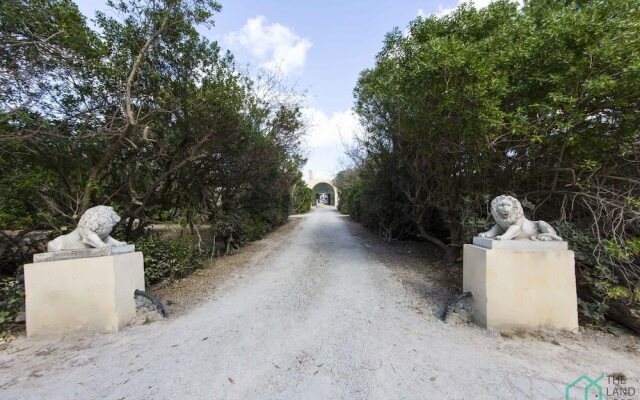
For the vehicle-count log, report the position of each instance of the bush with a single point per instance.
(17, 249)
(302, 198)
(599, 285)
(253, 229)
(168, 259)
(11, 303)
(482, 102)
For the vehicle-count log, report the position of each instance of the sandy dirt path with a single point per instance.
(314, 316)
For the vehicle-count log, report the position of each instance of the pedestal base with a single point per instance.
(520, 289)
(83, 294)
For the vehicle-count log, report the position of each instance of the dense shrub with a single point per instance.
(349, 185)
(157, 122)
(541, 101)
(373, 201)
(17, 247)
(302, 198)
(598, 284)
(11, 302)
(168, 259)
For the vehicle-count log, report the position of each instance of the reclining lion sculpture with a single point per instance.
(93, 231)
(512, 224)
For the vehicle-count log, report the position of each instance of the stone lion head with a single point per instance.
(506, 211)
(100, 220)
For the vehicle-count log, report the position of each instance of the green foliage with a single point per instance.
(254, 229)
(596, 274)
(20, 202)
(472, 222)
(11, 302)
(626, 251)
(302, 198)
(593, 311)
(370, 199)
(540, 101)
(350, 202)
(168, 259)
(583, 242)
(157, 122)
(350, 190)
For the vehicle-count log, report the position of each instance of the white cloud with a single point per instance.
(275, 46)
(325, 140)
(446, 11)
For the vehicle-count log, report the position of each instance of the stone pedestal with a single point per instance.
(521, 284)
(89, 294)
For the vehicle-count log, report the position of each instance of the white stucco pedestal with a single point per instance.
(93, 293)
(521, 284)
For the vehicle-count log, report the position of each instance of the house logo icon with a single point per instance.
(591, 385)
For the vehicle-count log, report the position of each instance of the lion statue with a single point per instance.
(512, 224)
(93, 231)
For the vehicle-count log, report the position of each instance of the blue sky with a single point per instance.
(319, 47)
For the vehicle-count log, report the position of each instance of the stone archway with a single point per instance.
(321, 186)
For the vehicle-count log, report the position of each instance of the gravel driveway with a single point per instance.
(314, 317)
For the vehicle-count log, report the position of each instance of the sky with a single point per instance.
(317, 47)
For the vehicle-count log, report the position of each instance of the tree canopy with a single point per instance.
(539, 101)
(142, 113)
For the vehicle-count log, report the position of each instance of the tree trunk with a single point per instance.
(455, 245)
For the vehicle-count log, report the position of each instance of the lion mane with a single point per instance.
(99, 219)
(516, 215)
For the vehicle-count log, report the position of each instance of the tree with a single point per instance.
(541, 102)
(143, 114)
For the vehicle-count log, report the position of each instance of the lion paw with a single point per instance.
(544, 238)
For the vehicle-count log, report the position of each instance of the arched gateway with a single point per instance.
(324, 186)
